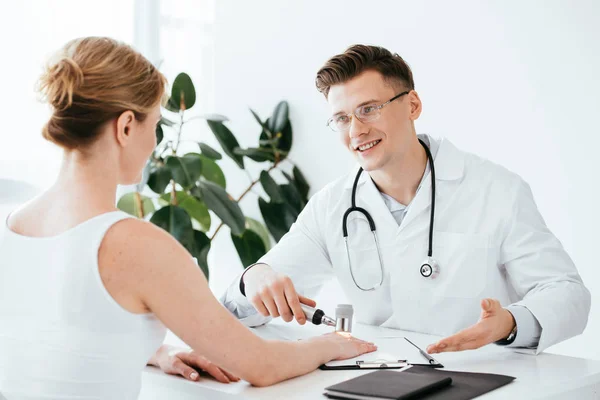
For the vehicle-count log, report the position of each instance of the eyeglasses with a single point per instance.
(366, 113)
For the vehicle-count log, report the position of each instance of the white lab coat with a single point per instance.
(489, 239)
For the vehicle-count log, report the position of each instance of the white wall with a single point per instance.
(30, 32)
(514, 81)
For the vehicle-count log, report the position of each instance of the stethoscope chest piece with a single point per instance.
(430, 268)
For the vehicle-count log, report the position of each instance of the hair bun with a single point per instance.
(60, 81)
(91, 81)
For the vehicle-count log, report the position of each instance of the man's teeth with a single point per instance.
(368, 145)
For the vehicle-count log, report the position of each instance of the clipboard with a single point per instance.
(378, 364)
(368, 364)
(411, 355)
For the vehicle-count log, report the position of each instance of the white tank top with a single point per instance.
(62, 336)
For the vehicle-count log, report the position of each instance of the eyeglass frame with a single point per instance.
(379, 107)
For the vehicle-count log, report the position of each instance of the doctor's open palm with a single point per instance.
(494, 324)
(273, 294)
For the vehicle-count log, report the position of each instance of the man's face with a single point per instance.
(375, 144)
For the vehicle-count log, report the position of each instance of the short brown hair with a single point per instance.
(359, 58)
(93, 80)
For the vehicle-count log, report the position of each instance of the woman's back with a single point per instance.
(61, 333)
(67, 278)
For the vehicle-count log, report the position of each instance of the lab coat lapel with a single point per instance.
(369, 198)
(449, 166)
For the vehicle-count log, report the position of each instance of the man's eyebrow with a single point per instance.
(360, 105)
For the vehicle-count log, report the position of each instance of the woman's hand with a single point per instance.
(177, 361)
(344, 346)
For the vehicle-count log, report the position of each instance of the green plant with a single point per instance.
(191, 187)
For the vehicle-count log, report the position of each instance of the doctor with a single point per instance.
(423, 236)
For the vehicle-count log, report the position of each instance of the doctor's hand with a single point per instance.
(495, 324)
(273, 294)
(187, 363)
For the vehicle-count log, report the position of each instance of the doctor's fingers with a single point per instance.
(307, 301)
(490, 307)
(282, 305)
(258, 303)
(467, 339)
(269, 302)
(293, 300)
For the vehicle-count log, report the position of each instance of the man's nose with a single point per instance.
(357, 128)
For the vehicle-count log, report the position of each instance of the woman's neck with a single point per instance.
(86, 183)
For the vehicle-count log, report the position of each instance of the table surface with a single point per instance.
(542, 376)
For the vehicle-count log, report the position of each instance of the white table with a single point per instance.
(546, 376)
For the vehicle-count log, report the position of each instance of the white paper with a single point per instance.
(395, 349)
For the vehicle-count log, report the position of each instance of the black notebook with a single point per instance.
(387, 385)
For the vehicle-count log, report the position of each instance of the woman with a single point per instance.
(86, 291)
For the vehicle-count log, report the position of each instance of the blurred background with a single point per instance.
(513, 81)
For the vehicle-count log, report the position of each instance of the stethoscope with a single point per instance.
(430, 268)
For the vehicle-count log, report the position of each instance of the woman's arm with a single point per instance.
(148, 269)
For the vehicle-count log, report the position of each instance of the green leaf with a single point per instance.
(159, 179)
(268, 143)
(280, 118)
(130, 205)
(194, 207)
(301, 183)
(288, 176)
(159, 134)
(186, 170)
(292, 196)
(212, 172)
(249, 246)
(177, 222)
(166, 121)
(260, 122)
(227, 141)
(217, 200)
(261, 230)
(209, 152)
(283, 139)
(278, 217)
(285, 143)
(271, 187)
(214, 117)
(256, 154)
(200, 250)
(183, 93)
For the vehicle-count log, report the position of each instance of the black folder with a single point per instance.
(387, 385)
(465, 385)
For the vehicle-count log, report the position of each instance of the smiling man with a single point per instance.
(421, 236)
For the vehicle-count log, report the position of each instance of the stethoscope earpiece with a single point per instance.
(430, 268)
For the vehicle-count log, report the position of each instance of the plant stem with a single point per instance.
(140, 204)
(215, 234)
(248, 189)
(179, 132)
(254, 183)
(173, 193)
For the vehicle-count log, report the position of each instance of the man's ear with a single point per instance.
(415, 105)
(124, 127)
